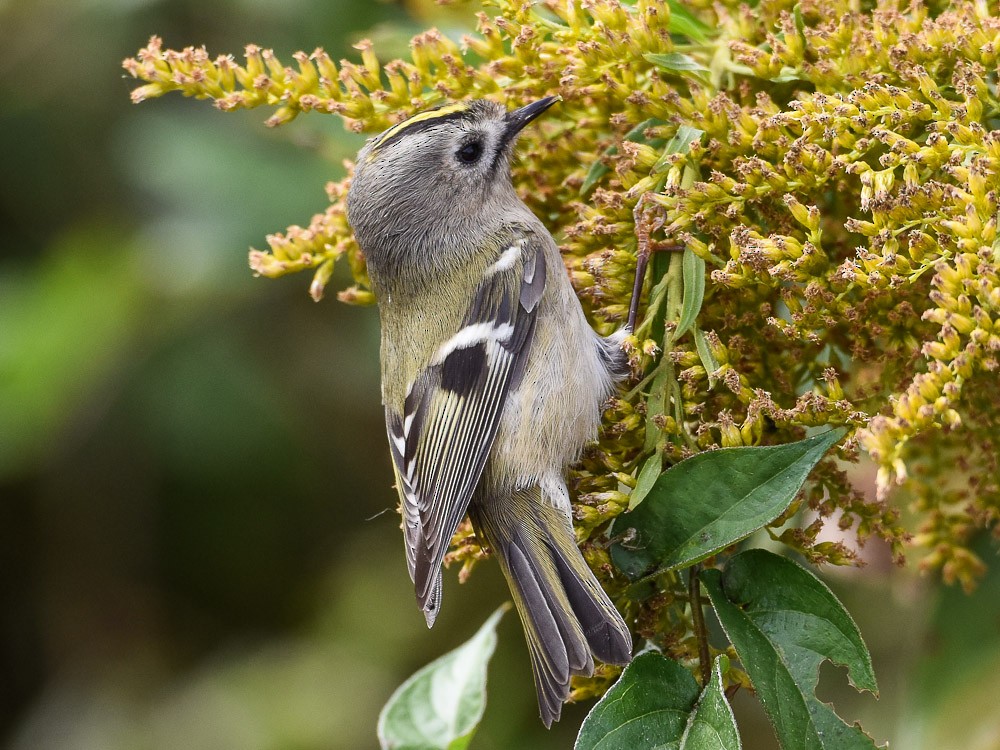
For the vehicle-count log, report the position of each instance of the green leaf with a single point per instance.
(647, 708)
(712, 725)
(800, 24)
(708, 502)
(597, 170)
(655, 706)
(638, 133)
(648, 475)
(705, 355)
(679, 144)
(683, 138)
(788, 74)
(693, 274)
(784, 622)
(440, 705)
(774, 591)
(685, 24)
(656, 404)
(658, 266)
(675, 61)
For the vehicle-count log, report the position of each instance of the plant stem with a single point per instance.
(698, 621)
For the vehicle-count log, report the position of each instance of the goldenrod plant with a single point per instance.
(815, 188)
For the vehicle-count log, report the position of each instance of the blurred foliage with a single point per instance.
(189, 461)
(196, 523)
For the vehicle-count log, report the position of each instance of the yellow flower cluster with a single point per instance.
(835, 173)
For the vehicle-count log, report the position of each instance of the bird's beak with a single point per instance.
(517, 119)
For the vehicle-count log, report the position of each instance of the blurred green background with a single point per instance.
(198, 547)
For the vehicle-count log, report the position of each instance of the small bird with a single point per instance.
(492, 380)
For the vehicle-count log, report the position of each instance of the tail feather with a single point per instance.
(432, 605)
(566, 615)
(545, 628)
(547, 645)
(608, 638)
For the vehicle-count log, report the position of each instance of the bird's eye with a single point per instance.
(470, 152)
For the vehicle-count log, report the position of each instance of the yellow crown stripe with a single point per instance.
(431, 114)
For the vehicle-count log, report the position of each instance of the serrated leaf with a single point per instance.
(712, 725)
(704, 504)
(784, 622)
(675, 61)
(440, 705)
(693, 275)
(647, 708)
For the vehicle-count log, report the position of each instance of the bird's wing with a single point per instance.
(452, 411)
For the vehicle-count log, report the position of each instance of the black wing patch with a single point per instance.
(461, 371)
(451, 414)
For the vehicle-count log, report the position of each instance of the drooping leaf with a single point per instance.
(647, 708)
(710, 501)
(693, 274)
(440, 705)
(784, 622)
(712, 725)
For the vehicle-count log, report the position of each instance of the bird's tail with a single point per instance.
(566, 615)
